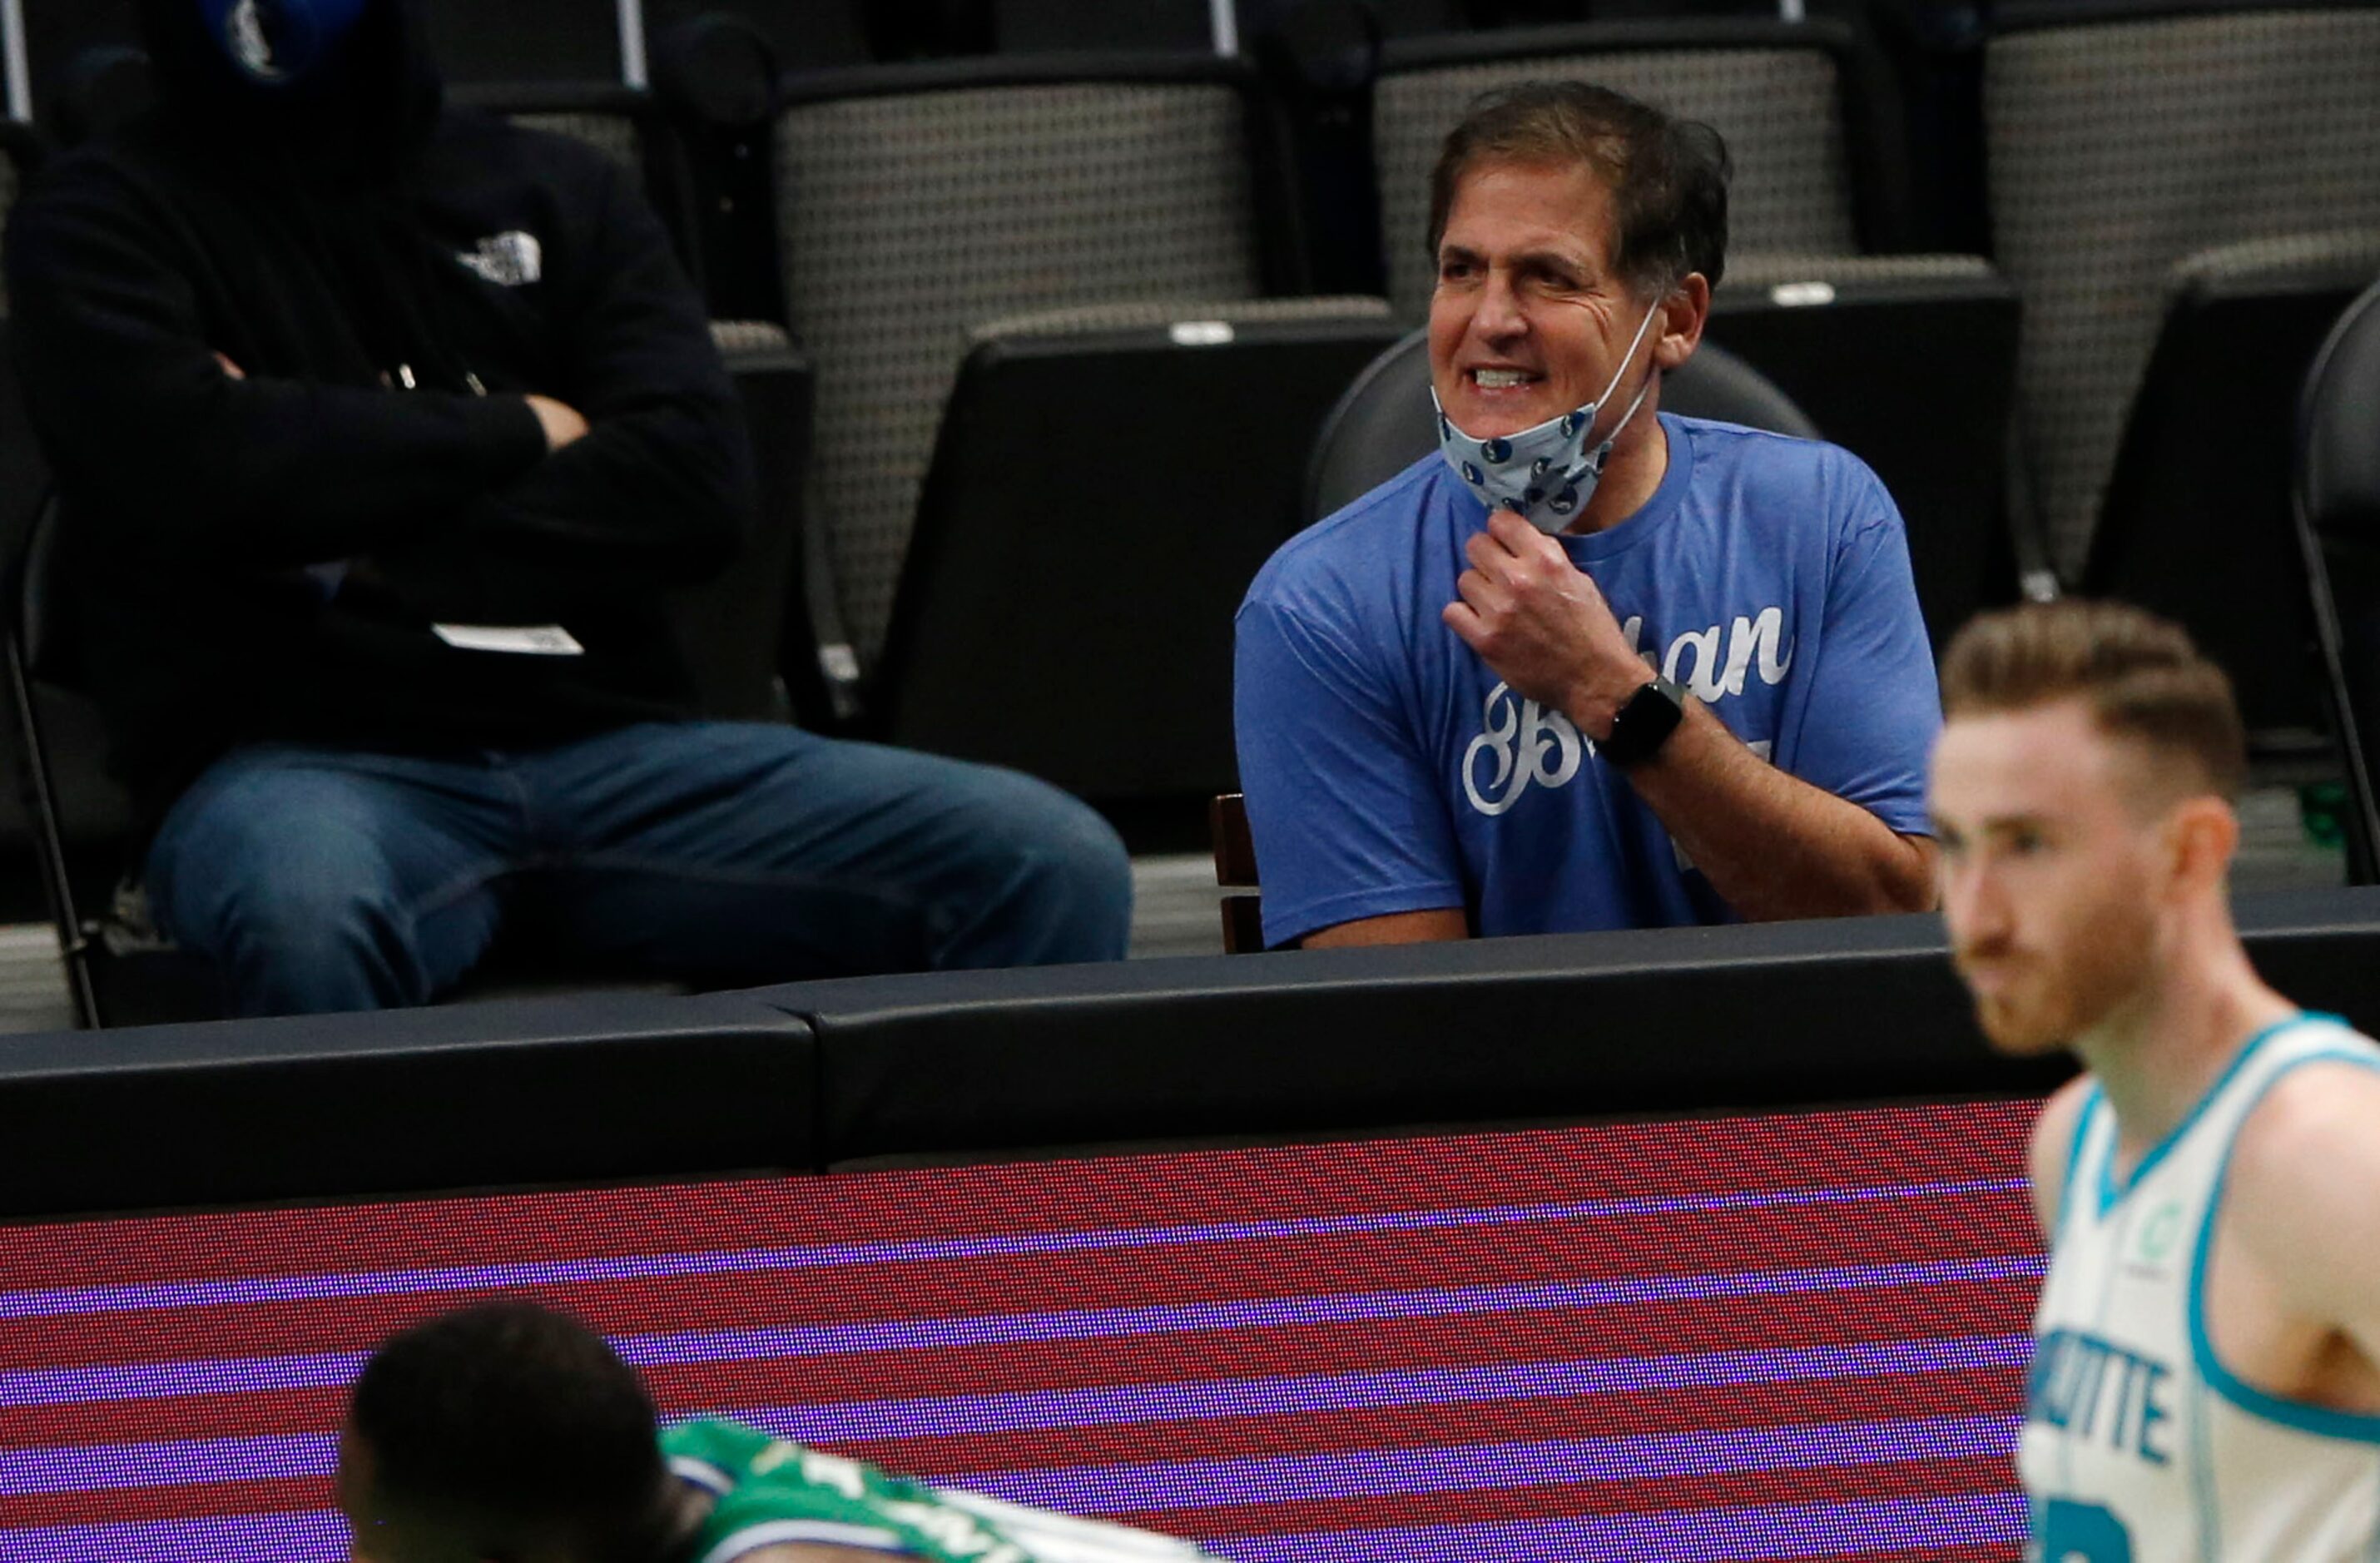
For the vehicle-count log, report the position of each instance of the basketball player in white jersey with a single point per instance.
(2206, 1370)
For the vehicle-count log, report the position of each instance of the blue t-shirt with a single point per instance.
(1389, 769)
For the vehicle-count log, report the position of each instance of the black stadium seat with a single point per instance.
(1042, 25)
(1387, 421)
(2195, 523)
(67, 43)
(801, 34)
(1106, 484)
(2338, 506)
(527, 40)
(1819, 166)
(918, 203)
(1908, 362)
(2126, 136)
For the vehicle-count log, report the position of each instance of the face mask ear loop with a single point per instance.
(1603, 450)
(1618, 374)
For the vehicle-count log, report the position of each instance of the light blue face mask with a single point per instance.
(1544, 474)
(279, 43)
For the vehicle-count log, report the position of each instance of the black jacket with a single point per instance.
(334, 244)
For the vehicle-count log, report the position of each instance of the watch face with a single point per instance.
(1646, 723)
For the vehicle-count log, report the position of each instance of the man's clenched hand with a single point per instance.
(1543, 626)
(562, 422)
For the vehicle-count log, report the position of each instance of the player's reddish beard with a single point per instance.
(2035, 995)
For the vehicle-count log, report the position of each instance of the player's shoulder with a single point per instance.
(2057, 1133)
(2316, 1125)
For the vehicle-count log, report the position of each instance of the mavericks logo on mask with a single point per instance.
(1544, 474)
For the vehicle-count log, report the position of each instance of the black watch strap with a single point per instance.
(1644, 723)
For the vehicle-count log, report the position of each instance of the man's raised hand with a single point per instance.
(562, 422)
(1543, 626)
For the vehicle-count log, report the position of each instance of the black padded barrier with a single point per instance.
(1778, 1016)
(468, 1096)
(641, 1087)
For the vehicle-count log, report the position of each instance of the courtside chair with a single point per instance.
(1106, 482)
(2183, 195)
(2337, 496)
(916, 203)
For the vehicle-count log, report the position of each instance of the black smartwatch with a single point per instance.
(1644, 723)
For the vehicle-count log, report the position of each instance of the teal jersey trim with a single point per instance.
(2321, 1421)
(2082, 1117)
(2109, 1195)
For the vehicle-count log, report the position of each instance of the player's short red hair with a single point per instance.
(2141, 677)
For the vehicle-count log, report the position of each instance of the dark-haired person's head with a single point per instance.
(504, 1433)
(1577, 235)
(339, 88)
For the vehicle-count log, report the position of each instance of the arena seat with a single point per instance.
(559, 41)
(2336, 492)
(1107, 482)
(1908, 362)
(67, 44)
(801, 34)
(917, 202)
(2195, 523)
(1387, 421)
(2125, 136)
(1046, 26)
(1808, 118)
(715, 79)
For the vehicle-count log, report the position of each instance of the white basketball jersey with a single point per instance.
(2137, 1443)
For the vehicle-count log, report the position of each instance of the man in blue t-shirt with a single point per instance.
(1592, 665)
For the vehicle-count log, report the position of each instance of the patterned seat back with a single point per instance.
(2121, 147)
(1775, 93)
(916, 203)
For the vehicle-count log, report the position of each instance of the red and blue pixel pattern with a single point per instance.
(1788, 1337)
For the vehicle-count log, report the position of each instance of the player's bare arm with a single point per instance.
(2293, 1281)
(1771, 845)
(2052, 1143)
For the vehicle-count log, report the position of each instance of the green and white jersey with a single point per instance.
(771, 1492)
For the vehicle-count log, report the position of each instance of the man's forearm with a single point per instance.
(1771, 845)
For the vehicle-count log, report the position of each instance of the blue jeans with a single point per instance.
(714, 854)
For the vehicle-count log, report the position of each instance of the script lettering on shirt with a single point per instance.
(2093, 1390)
(1521, 745)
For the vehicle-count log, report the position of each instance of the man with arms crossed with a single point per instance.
(2207, 1369)
(1592, 665)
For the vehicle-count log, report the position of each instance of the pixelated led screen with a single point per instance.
(1752, 1337)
